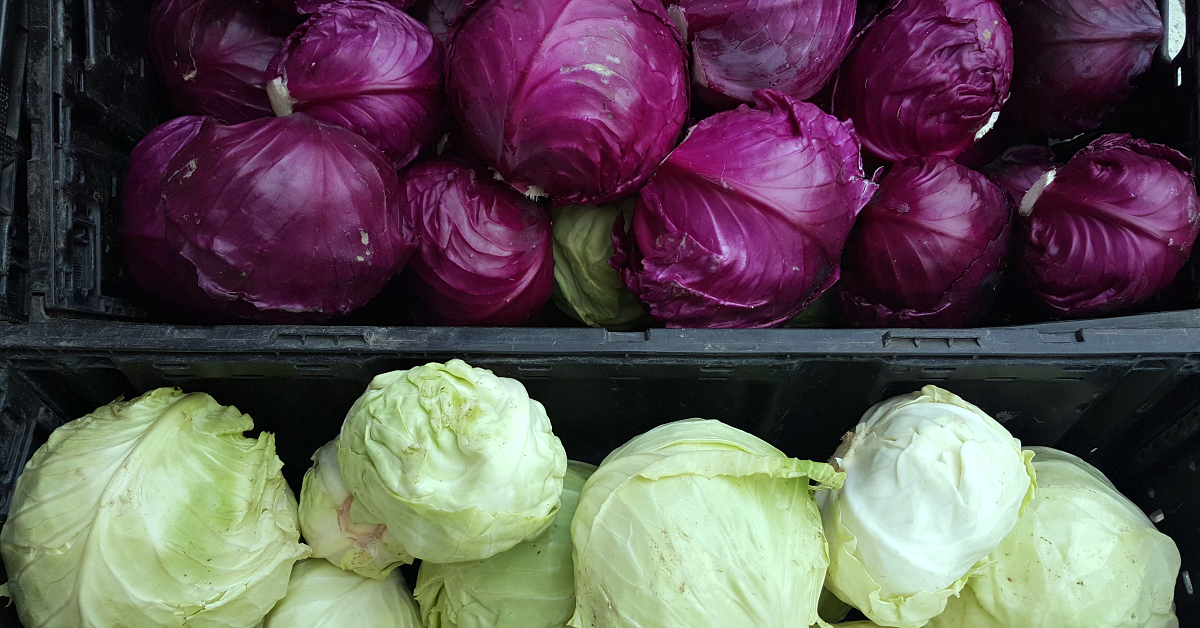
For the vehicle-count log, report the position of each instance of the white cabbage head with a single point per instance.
(933, 484)
(586, 286)
(459, 464)
(149, 513)
(321, 595)
(368, 549)
(529, 586)
(1081, 556)
(697, 524)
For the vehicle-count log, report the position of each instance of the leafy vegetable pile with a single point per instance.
(160, 512)
(687, 163)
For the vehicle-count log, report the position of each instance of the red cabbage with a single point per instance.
(212, 55)
(284, 219)
(743, 224)
(149, 259)
(1111, 228)
(365, 66)
(483, 255)
(928, 250)
(738, 46)
(1018, 168)
(926, 77)
(1075, 59)
(576, 99)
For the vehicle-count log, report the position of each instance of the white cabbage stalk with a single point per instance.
(459, 464)
(694, 524)
(368, 549)
(1082, 556)
(529, 586)
(586, 286)
(320, 595)
(149, 513)
(933, 484)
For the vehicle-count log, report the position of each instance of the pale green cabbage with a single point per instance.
(1082, 556)
(697, 524)
(321, 595)
(585, 286)
(933, 484)
(459, 464)
(148, 513)
(368, 549)
(529, 586)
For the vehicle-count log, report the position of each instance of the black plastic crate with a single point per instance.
(93, 94)
(1126, 400)
(14, 143)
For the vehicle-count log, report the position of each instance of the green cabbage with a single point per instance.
(933, 484)
(529, 586)
(585, 286)
(320, 595)
(368, 549)
(153, 512)
(695, 524)
(459, 464)
(1082, 556)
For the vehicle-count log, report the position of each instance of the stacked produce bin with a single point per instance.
(78, 90)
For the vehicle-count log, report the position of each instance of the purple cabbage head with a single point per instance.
(367, 67)
(484, 255)
(212, 55)
(927, 77)
(1111, 228)
(1075, 59)
(928, 250)
(743, 225)
(283, 219)
(738, 46)
(576, 99)
(149, 259)
(1018, 168)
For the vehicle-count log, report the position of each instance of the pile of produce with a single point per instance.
(160, 512)
(687, 163)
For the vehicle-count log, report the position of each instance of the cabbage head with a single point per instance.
(933, 484)
(529, 586)
(320, 595)
(149, 513)
(586, 286)
(459, 464)
(368, 549)
(1081, 556)
(696, 524)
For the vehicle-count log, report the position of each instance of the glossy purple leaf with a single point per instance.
(1018, 168)
(576, 99)
(212, 54)
(148, 256)
(744, 223)
(1075, 59)
(284, 219)
(367, 67)
(928, 250)
(926, 77)
(483, 256)
(738, 46)
(1111, 228)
